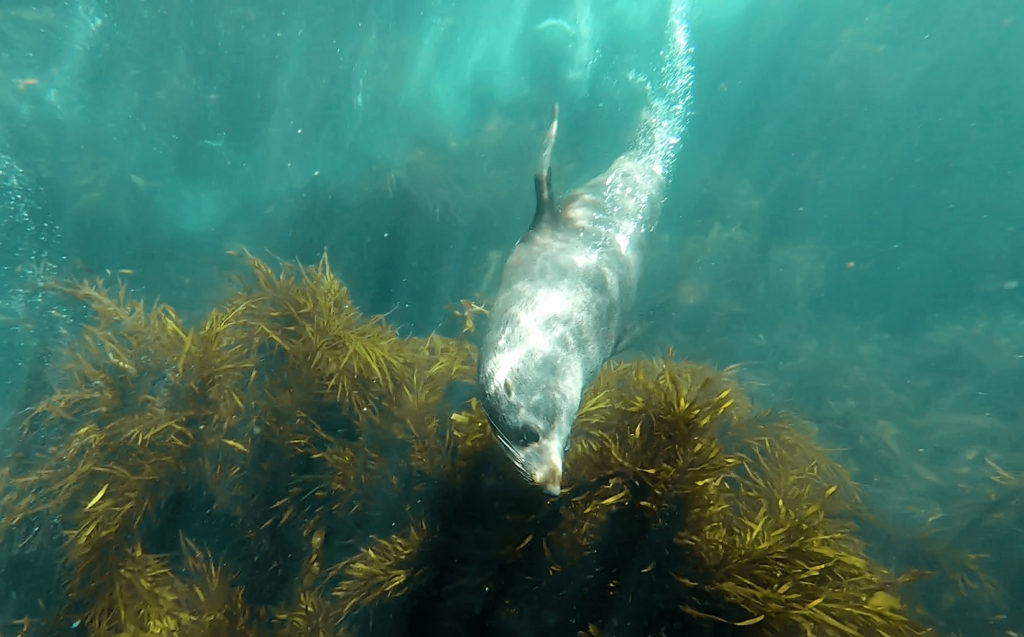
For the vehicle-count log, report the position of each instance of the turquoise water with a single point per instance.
(844, 220)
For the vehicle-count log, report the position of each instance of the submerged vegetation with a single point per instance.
(293, 467)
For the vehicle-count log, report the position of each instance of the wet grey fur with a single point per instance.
(566, 290)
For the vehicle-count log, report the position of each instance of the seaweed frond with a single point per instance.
(384, 568)
(308, 449)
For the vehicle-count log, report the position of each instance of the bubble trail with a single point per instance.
(660, 134)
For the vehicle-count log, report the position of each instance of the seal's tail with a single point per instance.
(542, 178)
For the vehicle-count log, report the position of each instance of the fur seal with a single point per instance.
(560, 311)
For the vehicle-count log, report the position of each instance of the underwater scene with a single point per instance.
(575, 317)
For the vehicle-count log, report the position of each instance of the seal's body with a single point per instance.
(559, 314)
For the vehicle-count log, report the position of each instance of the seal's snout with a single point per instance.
(548, 475)
(551, 481)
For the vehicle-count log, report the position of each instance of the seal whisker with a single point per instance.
(510, 448)
(514, 454)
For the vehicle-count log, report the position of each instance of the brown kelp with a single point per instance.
(290, 466)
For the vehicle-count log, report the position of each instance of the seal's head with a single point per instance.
(532, 404)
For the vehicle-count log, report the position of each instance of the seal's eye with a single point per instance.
(528, 435)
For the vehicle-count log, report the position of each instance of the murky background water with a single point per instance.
(845, 219)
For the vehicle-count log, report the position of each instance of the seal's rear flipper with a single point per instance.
(542, 178)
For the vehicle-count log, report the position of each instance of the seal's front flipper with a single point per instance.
(628, 336)
(542, 178)
(639, 325)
